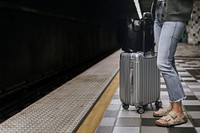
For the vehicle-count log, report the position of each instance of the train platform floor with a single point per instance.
(63, 110)
(90, 103)
(118, 120)
(188, 51)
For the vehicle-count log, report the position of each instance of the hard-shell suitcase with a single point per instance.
(139, 75)
(139, 80)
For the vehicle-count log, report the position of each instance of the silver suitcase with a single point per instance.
(139, 80)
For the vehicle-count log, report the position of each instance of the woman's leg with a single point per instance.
(157, 30)
(158, 24)
(169, 37)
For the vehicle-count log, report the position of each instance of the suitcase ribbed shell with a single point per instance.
(139, 79)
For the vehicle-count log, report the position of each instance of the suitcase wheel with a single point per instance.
(158, 104)
(125, 106)
(141, 110)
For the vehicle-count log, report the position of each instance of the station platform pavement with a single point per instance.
(118, 120)
(90, 103)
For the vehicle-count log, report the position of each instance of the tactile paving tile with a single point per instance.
(62, 110)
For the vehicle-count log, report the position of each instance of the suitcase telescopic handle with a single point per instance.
(146, 17)
(143, 32)
(143, 37)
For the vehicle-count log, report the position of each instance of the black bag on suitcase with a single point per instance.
(133, 34)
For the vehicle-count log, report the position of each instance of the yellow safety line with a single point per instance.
(93, 119)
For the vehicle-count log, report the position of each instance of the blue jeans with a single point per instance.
(167, 35)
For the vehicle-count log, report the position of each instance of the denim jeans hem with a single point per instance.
(179, 100)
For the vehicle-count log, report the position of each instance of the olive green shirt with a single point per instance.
(176, 10)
